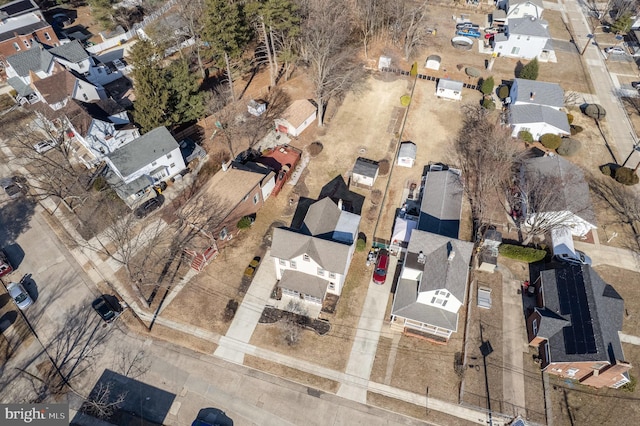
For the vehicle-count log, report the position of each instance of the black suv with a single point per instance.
(106, 311)
(149, 206)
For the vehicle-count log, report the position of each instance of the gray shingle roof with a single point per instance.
(597, 321)
(72, 52)
(35, 59)
(550, 94)
(527, 26)
(20, 87)
(445, 83)
(526, 114)
(304, 283)
(27, 29)
(143, 150)
(408, 149)
(322, 237)
(365, 167)
(441, 203)
(573, 193)
(406, 306)
(439, 272)
(536, 2)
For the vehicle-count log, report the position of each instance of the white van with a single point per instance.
(563, 249)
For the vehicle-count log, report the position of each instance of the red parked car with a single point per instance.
(382, 264)
(5, 265)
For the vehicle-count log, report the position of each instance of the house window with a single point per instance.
(26, 43)
(84, 95)
(305, 257)
(15, 46)
(332, 286)
(515, 50)
(292, 264)
(224, 234)
(47, 36)
(321, 272)
(168, 156)
(172, 165)
(534, 325)
(546, 352)
(282, 262)
(256, 198)
(332, 275)
(444, 303)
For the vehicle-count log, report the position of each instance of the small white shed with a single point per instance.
(407, 154)
(449, 89)
(297, 117)
(365, 172)
(433, 62)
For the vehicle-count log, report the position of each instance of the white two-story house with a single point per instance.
(524, 38)
(312, 259)
(135, 167)
(432, 286)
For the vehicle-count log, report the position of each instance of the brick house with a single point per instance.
(575, 325)
(22, 27)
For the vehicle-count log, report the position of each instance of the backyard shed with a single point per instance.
(407, 154)
(384, 62)
(449, 89)
(365, 172)
(297, 117)
(433, 62)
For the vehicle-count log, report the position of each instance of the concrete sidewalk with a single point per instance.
(246, 318)
(365, 344)
(608, 255)
(633, 340)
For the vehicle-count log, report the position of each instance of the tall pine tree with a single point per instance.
(186, 103)
(151, 87)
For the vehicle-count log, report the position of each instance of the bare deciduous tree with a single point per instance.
(291, 325)
(100, 403)
(486, 155)
(325, 46)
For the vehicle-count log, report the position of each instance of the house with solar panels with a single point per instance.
(574, 325)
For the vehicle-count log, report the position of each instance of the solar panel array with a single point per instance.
(579, 338)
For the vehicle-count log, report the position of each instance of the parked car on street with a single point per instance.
(5, 264)
(19, 295)
(212, 417)
(102, 306)
(382, 264)
(149, 206)
(44, 146)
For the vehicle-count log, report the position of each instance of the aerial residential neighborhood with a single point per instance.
(306, 212)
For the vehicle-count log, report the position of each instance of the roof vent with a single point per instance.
(532, 96)
(421, 257)
(340, 203)
(452, 254)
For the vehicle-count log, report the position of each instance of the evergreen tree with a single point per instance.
(530, 71)
(186, 103)
(150, 86)
(227, 32)
(622, 24)
(487, 86)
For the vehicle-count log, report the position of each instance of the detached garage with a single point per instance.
(449, 89)
(297, 117)
(407, 154)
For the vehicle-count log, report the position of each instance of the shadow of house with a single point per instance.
(337, 190)
(143, 404)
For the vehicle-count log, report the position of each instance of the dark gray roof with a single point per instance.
(27, 29)
(20, 87)
(365, 167)
(528, 26)
(573, 194)
(125, 190)
(35, 59)
(441, 203)
(304, 283)
(405, 305)
(526, 114)
(550, 94)
(143, 150)
(322, 217)
(593, 311)
(439, 271)
(72, 52)
(408, 149)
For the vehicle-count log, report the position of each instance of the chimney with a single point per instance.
(421, 257)
(340, 203)
(532, 96)
(452, 254)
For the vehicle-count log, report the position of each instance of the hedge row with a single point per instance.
(524, 254)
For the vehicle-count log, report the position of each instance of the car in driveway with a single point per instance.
(5, 264)
(102, 306)
(615, 50)
(149, 206)
(580, 259)
(19, 295)
(44, 146)
(14, 186)
(382, 265)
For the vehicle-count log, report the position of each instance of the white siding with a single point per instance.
(176, 160)
(520, 46)
(310, 267)
(537, 129)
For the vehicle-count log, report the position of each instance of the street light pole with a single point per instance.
(584, 49)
